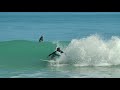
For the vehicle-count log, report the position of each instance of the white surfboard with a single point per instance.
(49, 60)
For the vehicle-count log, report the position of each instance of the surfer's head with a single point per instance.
(58, 49)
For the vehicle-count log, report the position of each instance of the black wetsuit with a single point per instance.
(54, 54)
(41, 39)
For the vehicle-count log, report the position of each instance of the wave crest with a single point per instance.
(92, 51)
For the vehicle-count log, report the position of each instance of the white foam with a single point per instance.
(92, 51)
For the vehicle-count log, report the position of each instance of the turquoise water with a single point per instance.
(90, 41)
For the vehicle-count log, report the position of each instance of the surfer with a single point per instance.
(55, 53)
(41, 38)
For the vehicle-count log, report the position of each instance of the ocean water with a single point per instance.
(90, 40)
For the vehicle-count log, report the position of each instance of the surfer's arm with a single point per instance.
(51, 54)
(61, 51)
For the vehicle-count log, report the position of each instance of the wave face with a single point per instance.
(90, 51)
(20, 53)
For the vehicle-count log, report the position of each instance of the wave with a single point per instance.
(90, 51)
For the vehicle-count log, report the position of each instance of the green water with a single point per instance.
(21, 54)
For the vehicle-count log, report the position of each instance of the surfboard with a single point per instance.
(49, 60)
(45, 60)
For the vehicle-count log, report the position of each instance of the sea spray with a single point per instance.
(92, 51)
